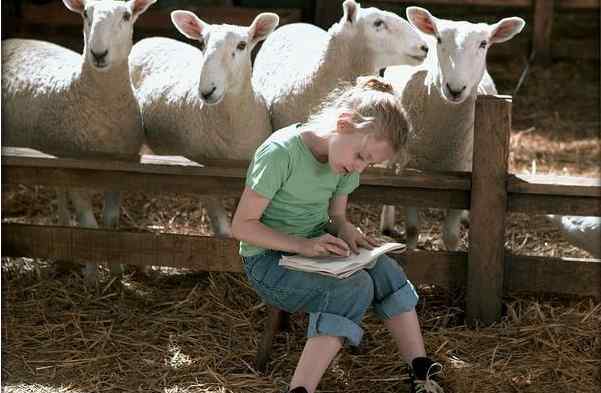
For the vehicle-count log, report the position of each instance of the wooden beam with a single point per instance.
(548, 194)
(488, 209)
(570, 276)
(554, 204)
(543, 26)
(447, 269)
(554, 185)
(527, 193)
(196, 252)
(177, 174)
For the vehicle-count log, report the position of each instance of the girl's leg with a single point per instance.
(407, 334)
(336, 308)
(317, 355)
(394, 302)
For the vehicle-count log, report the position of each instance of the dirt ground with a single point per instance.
(180, 331)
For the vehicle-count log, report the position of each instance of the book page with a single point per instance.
(336, 263)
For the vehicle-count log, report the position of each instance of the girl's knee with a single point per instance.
(352, 297)
(387, 267)
(361, 286)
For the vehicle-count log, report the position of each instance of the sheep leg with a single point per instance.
(64, 218)
(465, 218)
(85, 218)
(218, 216)
(387, 220)
(450, 231)
(110, 219)
(412, 226)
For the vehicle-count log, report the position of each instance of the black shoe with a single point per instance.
(422, 375)
(298, 389)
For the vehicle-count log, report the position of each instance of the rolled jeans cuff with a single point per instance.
(401, 301)
(325, 324)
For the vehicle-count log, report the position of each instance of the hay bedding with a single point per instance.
(198, 332)
(181, 331)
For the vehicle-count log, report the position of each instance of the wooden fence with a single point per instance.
(487, 270)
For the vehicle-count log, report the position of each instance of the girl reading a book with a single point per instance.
(295, 201)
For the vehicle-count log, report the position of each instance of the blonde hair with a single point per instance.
(376, 108)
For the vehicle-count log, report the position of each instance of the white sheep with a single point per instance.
(299, 64)
(200, 103)
(582, 231)
(72, 105)
(439, 97)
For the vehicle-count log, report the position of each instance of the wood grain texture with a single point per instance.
(446, 269)
(543, 26)
(488, 209)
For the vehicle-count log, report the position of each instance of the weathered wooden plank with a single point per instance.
(570, 276)
(198, 252)
(176, 165)
(554, 185)
(488, 209)
(418, 197)
(447, 269)
(554, 204)
(177, 174)
(120, 247)
(543, 26)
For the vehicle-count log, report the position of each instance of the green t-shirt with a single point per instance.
(300, 188)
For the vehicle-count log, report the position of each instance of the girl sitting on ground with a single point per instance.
(295, 201)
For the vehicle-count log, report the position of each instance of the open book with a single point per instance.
(339, 267)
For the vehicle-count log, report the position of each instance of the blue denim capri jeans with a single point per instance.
(335, 306)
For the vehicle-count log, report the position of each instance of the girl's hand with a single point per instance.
(355, 238)
(324, 245)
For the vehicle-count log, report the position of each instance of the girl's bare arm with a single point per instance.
(247, 226)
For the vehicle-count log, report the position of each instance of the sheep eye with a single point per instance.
(439, 40)
(201, 45)
(379, 23)
(483, 44)
(85, 14)
(126, 16)
(241, 45)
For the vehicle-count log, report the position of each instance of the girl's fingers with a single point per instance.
(364, 243)
(335, 249)
(338, 242)
(354, 245)
(373, 242)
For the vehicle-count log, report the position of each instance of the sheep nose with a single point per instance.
(424, 48)
(455, 93)
(209, 93)
(99, 57)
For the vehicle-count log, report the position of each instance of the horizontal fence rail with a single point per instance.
(571, 276)
(527, 193)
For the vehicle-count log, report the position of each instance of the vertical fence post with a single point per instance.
(543, 26)
(488, 208)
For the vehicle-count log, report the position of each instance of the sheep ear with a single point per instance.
(262, 26)
(350, 10)
(138, 7)
(422, 20)
(505, 29)
(75, 5)
(188, 24)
